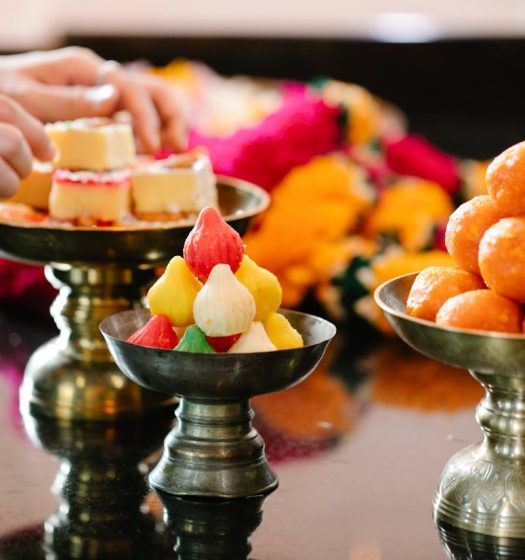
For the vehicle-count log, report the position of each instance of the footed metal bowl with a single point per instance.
(215, 376)
(214, 450)
(100, 271)
(482, 488)
(133, 245)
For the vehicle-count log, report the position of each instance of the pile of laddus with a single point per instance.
(215, 298)
(486, 238)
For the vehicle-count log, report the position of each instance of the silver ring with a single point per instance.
(105, 69)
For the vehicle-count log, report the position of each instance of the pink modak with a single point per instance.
(212, 241)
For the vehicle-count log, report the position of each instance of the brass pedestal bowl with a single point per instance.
(214, 450)
(100, 271)
(482, 488)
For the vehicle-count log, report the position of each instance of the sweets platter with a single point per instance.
(482, 488)
(101, 271)
(214, 451)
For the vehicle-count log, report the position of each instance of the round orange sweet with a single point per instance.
(506, 180)
(502, 258)
(434, 285)
(466, 227)
(483, 310)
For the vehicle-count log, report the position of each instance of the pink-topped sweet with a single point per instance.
(90, 198)
(212, 241)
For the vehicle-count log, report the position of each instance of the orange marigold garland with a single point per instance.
(312, 211)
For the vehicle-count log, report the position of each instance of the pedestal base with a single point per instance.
(214, 451)
(59, 385)
(465, 545)
(479, 493)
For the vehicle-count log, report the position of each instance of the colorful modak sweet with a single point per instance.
(224, 300)
(157, 333)
(486, 238)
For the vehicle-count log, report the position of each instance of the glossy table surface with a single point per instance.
(358, 448)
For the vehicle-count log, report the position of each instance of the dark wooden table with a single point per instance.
(358, 452)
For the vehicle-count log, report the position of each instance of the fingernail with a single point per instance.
(100, 94)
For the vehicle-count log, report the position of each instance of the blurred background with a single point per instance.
(453, 67)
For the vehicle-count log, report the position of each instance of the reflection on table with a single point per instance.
(364, 436)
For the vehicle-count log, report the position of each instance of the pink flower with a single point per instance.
(439, 238)
(25, 286)
(301, 129)
(414, 156)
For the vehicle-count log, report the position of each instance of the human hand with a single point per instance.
(74, 82)
(21, 137)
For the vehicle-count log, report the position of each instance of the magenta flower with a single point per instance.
(304, 127)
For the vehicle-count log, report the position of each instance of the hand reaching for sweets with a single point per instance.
(21, 137)
(74, 82)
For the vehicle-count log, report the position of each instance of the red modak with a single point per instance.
(156, 333)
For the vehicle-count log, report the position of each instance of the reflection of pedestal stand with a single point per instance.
(205, 529)
(482, 488)
(214, 450)
(101, 271)
(465, 545)
(102, 486)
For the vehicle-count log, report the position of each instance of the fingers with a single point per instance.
(169, 103)
(9, 180)
(15, 151)
(135, 99)
(30, 128)
(59, 103)
(68, 66)
(64, 84)
(16, 159)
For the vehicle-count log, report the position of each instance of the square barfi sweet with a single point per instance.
(177, 186)
(34, 190)
(93, 144)
(89, 198)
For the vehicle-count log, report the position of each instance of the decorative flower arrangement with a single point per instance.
(25, 285)
(355, 199)
(302, 128)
